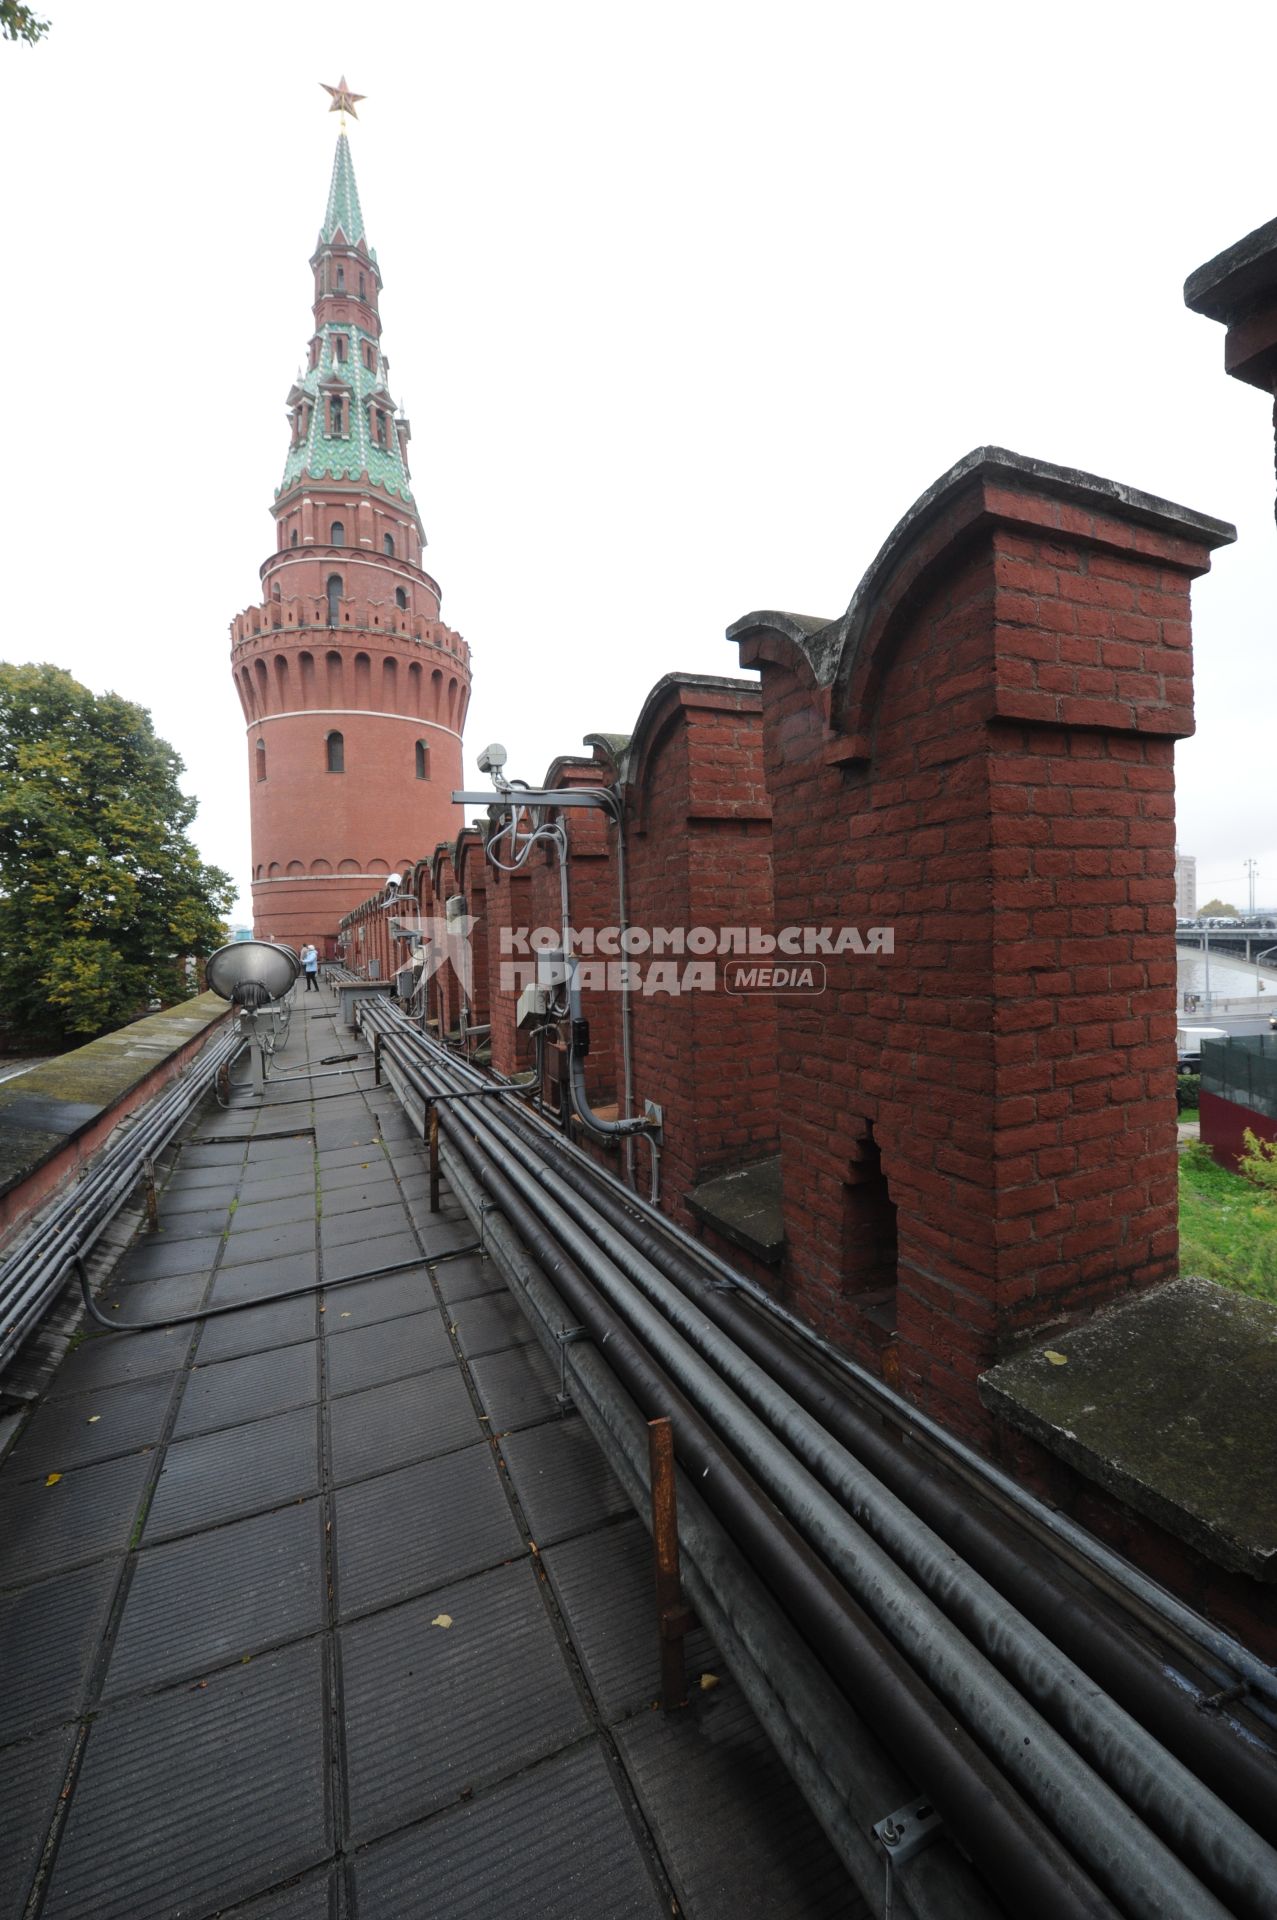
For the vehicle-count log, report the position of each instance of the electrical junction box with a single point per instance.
(534, 1004)
(556, 971)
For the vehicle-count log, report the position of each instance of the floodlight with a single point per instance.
(249, 973)
(493, 758)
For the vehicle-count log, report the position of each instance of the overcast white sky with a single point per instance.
(687, 304)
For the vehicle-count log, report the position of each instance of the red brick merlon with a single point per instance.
(977, 1123)
(1109, 651)
(1239, 288)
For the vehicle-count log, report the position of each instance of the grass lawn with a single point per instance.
(1227, 1227)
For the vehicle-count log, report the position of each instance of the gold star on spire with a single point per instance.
(343, 100)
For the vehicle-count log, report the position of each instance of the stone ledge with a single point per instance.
(744, 1206)
(1169, 1402)
(65, 1103)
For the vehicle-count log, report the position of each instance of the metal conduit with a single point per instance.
(1053, 1538)
(1059, 1537)
(1141, 1872)
(1021, 1858)
(34, 1272)
(1181, 1888)
(1042, 1764)
(841, 1768)
(1242, 1772)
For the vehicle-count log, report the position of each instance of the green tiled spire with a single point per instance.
(345, 349)
(343, 197)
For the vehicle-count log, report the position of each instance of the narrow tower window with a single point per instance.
(337, 534)
(388, 542)
(334, 597)
(361, 286)
(401, 598)
(336, 753)
(341, 279)
(381, 428)
(339, 346)
(336, 415)
(261, 759)
(293, 541)
(423, 760)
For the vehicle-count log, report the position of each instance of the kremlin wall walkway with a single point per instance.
(325, 1608)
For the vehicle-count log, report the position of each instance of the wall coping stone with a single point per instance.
(1168, 1401)
(744, 1206)
(40, 1111)
(830, 646)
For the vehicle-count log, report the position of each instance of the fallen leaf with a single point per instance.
(708, 1680)
(1056, 1359)
(93, 1419)
(346, 1315)
(442, 1620)
(53, 1479)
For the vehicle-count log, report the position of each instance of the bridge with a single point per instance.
(1254, 944)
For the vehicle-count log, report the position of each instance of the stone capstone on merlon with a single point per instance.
(1170, 1402)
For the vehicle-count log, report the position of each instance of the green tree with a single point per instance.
(1217, 910)
(19, 22)
(102, 895)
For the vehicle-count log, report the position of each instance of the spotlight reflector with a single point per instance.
(248, 973)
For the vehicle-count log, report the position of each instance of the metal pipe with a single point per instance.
(34, 1272)
(1096, 1561)
(1216, 1841)
(838, 1764)
(1019, 1855)
(1136, 1866)
(1237, 1769)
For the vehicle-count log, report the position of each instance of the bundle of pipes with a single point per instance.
(1079, 1764)
(33, 1273)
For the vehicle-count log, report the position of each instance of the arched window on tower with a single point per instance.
(361, 287)
(423, 760)
(293, 540)
(339, 346)
(388, 542)
(336, 415)
(260, 759)
(337, 534)
(336, 747)
(334, 599)
(341, 279)
(401, 598)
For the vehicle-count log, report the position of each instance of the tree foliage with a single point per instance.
(19, 22)
(1217, 910)
(102, 895)
(1259, 1163)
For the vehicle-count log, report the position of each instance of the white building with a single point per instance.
(1185, 885)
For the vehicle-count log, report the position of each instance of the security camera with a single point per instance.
(493, 758)
(394, 880)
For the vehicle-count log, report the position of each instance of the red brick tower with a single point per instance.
(354, 691)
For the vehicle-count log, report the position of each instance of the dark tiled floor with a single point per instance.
(269, 1593)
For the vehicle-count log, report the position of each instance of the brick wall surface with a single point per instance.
(979, 756)
(698, 843)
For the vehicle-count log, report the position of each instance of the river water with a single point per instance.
(1229, 979)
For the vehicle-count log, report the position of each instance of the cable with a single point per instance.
(235, 1306)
